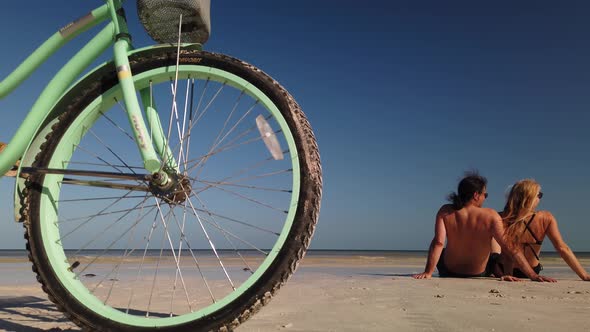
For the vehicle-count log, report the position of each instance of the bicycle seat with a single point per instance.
(160, 18)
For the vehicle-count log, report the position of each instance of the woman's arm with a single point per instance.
(564, 251)
(436, 247)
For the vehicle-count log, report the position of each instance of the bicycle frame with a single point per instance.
(114, 33)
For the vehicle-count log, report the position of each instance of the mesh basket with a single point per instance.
(160, 19)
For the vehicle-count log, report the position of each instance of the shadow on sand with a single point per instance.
(25, 313)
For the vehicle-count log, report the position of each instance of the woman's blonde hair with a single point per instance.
(519, 206)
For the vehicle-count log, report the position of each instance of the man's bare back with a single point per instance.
(469, 238)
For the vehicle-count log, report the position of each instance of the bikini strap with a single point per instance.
(534, 237)
(537, 241)
(533, 250)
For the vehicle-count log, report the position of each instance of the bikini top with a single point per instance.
(537, 241)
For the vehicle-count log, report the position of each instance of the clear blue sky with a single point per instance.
(403, 97)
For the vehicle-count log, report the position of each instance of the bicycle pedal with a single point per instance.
(12, 171)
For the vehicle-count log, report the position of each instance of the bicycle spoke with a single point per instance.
(181, 152)
(182, 237)
(237, 124)
(151, 123)
(229, 116)
(107, 248)
(103, 231)
(246, 169)
(216, 140)
(115, 124)
(223, 183)
(229, 146)
(78, 172)
(93, 199)
(210, 242)
(109, 274)
(182, 138)
(149, 304)
(190, 125)
(173, 252)
(238, 221)
(175, 117)
(166, 159)
(101, 165)
(110, 150)
(116, 278)
(92, 217)
(248, 198)
(125, 254)
(260, 176)
(104, 184)
(115, 268)
(190, 122)
(97, 215)
(106, 163)
(189, 248)
(226, 232)
(179, 255)
(149, 237)
(226, 148)
(225, 235)
(208, 105)
(203, 161)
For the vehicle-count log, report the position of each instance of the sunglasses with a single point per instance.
(540, 195)
(484, 195)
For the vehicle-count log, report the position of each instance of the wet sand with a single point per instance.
(362, 293)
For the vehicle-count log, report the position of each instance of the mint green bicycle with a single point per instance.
(170, 189)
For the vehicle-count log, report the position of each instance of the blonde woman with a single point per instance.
(526, 228)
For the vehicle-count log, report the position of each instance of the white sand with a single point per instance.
(325, 303)
(362, 294)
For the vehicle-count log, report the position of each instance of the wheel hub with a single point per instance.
(172, 188)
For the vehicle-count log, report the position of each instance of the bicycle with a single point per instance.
(169, 189)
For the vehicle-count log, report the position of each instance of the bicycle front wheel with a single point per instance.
(117, 252)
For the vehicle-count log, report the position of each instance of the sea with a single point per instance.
(351, 263)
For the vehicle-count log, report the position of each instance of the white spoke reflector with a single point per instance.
(269, 138)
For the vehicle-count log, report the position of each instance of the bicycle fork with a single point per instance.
(149, 150)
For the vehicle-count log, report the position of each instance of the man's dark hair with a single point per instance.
(471, 183)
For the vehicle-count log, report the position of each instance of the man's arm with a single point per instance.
(517, 255)
(436, 247)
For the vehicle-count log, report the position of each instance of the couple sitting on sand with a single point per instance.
(475, 235)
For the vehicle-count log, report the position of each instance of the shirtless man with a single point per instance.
(470, 231)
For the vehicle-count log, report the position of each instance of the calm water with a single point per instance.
(554, 266)
(335, 253)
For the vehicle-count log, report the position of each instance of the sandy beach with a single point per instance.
(362, 293)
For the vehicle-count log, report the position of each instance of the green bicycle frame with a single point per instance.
(114, 33)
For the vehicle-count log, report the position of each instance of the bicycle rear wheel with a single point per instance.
(116, 252)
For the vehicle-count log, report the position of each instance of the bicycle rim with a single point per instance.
(149, 258)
